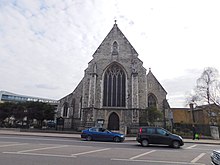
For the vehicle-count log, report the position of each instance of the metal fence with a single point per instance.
(186, 129)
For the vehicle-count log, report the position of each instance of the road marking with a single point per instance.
(39, 138)
(201, 149)
(36, 154)
(197, 158)
(190, 147)
(157, 161)
(146, 153)
(93, 151)
(9, 145)
(210, 145)
(45, 148)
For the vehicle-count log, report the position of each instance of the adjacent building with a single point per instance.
(200, 115)
(12, 97)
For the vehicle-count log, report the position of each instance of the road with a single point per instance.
(35, 150)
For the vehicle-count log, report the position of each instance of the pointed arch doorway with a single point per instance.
(113, 121)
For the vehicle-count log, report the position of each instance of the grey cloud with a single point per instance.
(46, 86)
(46, 42)
(177, 88)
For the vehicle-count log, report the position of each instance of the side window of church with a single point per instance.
(151, 101)
(65, 109)
(114, 87)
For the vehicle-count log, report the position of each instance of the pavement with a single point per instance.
(77, 135)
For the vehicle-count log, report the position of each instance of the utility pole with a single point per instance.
(192, 112)
(164, 113)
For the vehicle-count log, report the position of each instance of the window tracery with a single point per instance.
(114, 87)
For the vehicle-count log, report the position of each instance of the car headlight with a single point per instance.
(180, 137)
(122, 136)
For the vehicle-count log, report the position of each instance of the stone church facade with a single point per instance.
(115, 89)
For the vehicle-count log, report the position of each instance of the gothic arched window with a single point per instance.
(114, 87)
(115, 48)
(152, 102)
(65, 109)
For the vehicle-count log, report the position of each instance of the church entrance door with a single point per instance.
(113, 122)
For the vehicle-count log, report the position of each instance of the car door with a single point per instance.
(93, 133)
(97, 134)
(151, 135)
(108, 135)
(162, 136)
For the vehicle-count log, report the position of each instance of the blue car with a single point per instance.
(101, 134)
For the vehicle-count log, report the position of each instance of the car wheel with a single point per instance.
(116, 139)
(144, 143)
(89, 138)
(176, 144)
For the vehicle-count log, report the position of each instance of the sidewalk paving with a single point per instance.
(77, 135)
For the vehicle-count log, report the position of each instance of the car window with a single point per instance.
(161, 131)
(93, 129)
(105, 130)
(102, 129)
(144, 130)
(150, 131)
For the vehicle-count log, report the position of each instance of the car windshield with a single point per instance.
(103, 130)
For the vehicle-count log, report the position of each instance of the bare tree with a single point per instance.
(192, 98)
(207, 88)
(207, 92)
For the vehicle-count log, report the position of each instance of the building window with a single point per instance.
(115, 48)
(152, 101)
(114, 87)
(150, 85)
(65, 109)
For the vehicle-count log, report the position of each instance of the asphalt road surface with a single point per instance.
(35, 150)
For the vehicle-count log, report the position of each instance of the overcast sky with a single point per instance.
(45, 45)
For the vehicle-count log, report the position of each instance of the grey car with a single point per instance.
(156, 135)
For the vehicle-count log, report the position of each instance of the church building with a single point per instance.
(115, 90)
